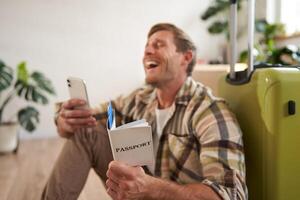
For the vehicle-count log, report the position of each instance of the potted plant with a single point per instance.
(266, 50)
(220, 10)
(31, 87)
(218, 15)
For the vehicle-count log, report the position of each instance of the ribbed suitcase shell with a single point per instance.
(271, 135)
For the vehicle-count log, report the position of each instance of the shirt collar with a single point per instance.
(186, 91)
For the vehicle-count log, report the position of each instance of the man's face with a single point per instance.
(162, 62)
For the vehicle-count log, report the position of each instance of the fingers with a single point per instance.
(71, 119)
(115, 191)
(81, 121)
(124, 181)
(75, 113)
(114, 181)
(77, 117)
(77, 127)
(112, 185)
(73, 103)
(116, 195)
(120, 169)
(112, 193)
(115, 178)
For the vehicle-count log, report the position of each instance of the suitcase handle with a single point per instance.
(233, 77)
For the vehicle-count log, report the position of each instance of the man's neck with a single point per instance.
(167, 92)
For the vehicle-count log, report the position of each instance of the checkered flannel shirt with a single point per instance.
(200, 143)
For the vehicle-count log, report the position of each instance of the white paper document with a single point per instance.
(132, 143)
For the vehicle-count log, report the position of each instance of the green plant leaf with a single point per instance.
(6, 76)
(270, 45)
(31, 87)
(216, 8)
(218, 27)
(20, 88)
(273, 30)
(42, 82)
(260, 25)
(266, 47)
(28, 118)
(30, 93)
(219, 7)
(22, 73)
(243, 56)
(38, 97)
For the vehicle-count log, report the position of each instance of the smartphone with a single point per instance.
(77, 90)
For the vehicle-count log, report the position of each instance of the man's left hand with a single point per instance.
(127, 182)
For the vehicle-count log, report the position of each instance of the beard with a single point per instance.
(151, 82)
(159, 81)
(164, 75)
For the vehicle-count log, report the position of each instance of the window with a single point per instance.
(286, 12)
(290, 11)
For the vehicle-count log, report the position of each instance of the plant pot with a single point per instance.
(9, 137)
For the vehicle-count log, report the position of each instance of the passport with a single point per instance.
(130, 143)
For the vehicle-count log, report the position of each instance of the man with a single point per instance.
(198, 144)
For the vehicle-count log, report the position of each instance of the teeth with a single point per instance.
(151, 63)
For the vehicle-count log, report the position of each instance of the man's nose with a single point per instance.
(149, 50)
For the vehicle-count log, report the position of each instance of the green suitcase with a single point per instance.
(266, 101)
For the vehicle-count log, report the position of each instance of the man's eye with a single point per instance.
(159, 44)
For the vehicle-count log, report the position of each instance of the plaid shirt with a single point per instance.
(201, 141)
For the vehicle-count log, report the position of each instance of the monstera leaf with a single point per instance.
(6, 76)
(217, 7)
(28, 118)
(219, 10)
(33, 87)
(42, 82)
(218, 27)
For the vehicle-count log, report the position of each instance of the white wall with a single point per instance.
(101, 41)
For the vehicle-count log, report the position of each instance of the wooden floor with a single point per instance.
(23, 175)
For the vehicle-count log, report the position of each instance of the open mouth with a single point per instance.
(151, 64)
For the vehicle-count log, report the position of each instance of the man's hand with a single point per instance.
(71, 117)
(126, 182)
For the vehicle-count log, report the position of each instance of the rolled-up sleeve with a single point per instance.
(221, 154)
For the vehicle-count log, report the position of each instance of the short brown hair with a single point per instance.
(182, 41)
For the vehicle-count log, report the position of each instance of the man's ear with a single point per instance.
(188, 56)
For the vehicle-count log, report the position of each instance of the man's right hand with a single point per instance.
(71, 118)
